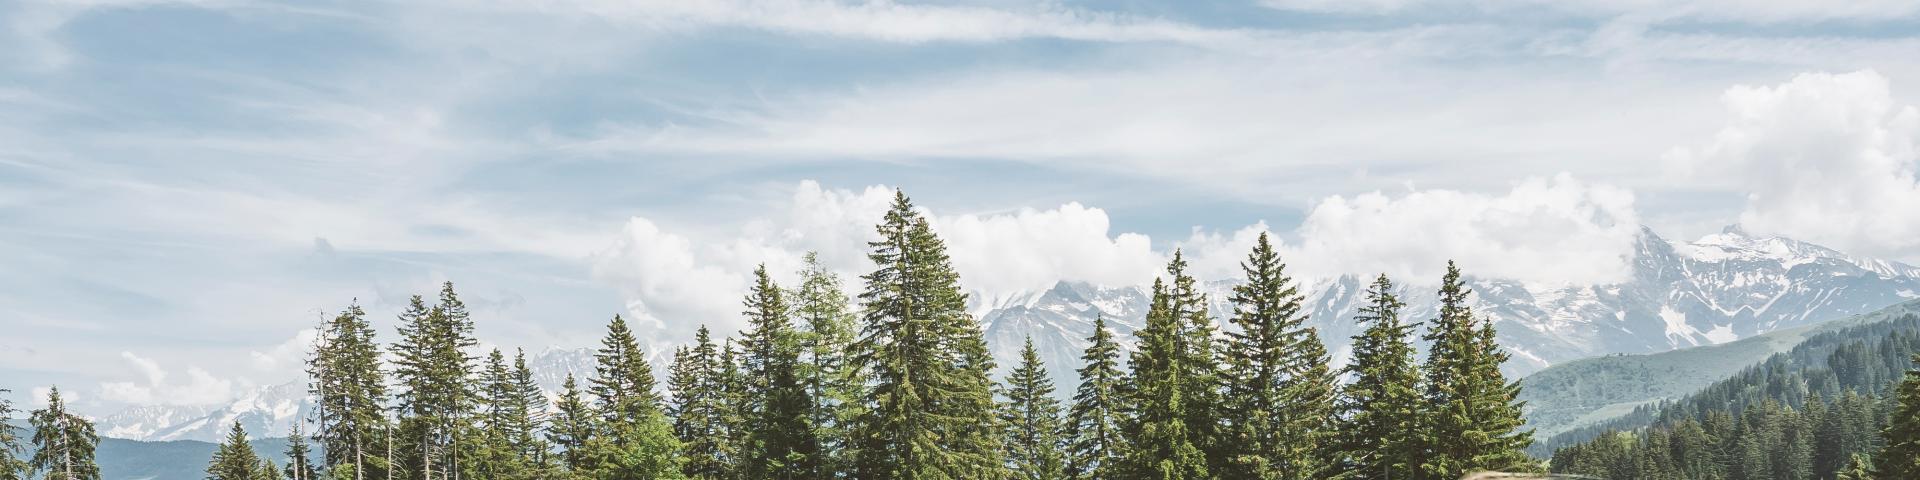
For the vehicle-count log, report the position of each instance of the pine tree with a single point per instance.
(622, 384)
(234, 459)
(527, 412)
(1095, 445)
(735, 408)
(1031, 416)
(571, 428)
(299, 457)
(821, 308)
(1163, 447)
(437, 399)
(498, 454)
(1382, 405)
(11, 466)
(351, 393)
(635, 439)
(697, 407)
(1900, 457)
(931, 396)
(1280, 392)
(1472, 418)
(64, 442)
(780, 439)
(268, 471)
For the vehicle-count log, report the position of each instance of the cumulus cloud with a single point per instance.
(200, 387)
(1550, 230)
(1828, 158)
(1543, 230)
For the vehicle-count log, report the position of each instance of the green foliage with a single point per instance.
(828, 330)
(351, 394)
(1472, 419)
(1031, 416)
(1095, 445)
(12, 467)
(1901, 456)
(1161, 385)
(780, 438)
(1382, 407)
(572, 427)
(299, 457)
(622, 383)
(931, 398)
(1279, 391)
(235, 459)
(63, 441)
(437, 398)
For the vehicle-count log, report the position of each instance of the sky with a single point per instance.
(188, 186)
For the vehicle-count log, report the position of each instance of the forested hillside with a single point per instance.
(1805, 413)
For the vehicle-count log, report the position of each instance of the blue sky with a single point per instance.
(186, 185)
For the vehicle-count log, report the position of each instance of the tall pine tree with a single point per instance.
(1900, 457)
(697, 407)
(571, 427)
(351, 395)
(1163, 445)
(780, 438)
(1279, 391)
(1382, 406)
(1095, 445)
(1472, 418)
(12, 467)
(299, 457)
(1031, 416)
(437, 399)
(635, 439)
(931, 396)
(64, 442)
(820, 307)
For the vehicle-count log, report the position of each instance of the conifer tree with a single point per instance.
(299, 457)
(64, 442)
(931, 396)
(697, 407)
(11, 466)
(351, 393)
(1279, 392)
(234, 459)
(1381, 408)
(1031, 416)
(1163, 447)
(268, 471)
(1095, 445)
(437, 399)
(821, 309)
(571, 427)
(1472, 418)
(1858, 468)
(498, 453)
(735, 409)
(622, 384)
(780, 440)
(1900, 455)
(527, 412)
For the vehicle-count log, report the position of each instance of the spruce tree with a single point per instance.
(498, 455)
(931, 397)
(1279, 391)
(527, 412)
(1382, 406)
(437, 398)
(1163, 447)
(1031, 416)
(821, 308)
(11, 466)
(63, 441)
(1095, 445)
(1472, 418)
(234, 459)
(299, 457)
(351, 395)
(697, 407)
(780, 438)
(735, 408)
(268, 471)
(571, 427)
(622, 384)
(1900, 455)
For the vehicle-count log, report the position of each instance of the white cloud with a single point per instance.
(200, 388)
(1825, 158)
(286, 357)
(1556, 230)
(1032, 249)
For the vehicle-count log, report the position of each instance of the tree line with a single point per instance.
(897, 384)
(1834, 407)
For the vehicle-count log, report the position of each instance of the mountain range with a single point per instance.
(1717, 289)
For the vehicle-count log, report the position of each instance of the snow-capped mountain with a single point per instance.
(1720, 288)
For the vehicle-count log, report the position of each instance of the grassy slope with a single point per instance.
(1588, 391)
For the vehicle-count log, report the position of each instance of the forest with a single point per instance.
(896, 383)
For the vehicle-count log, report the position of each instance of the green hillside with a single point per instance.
(1590, 391)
